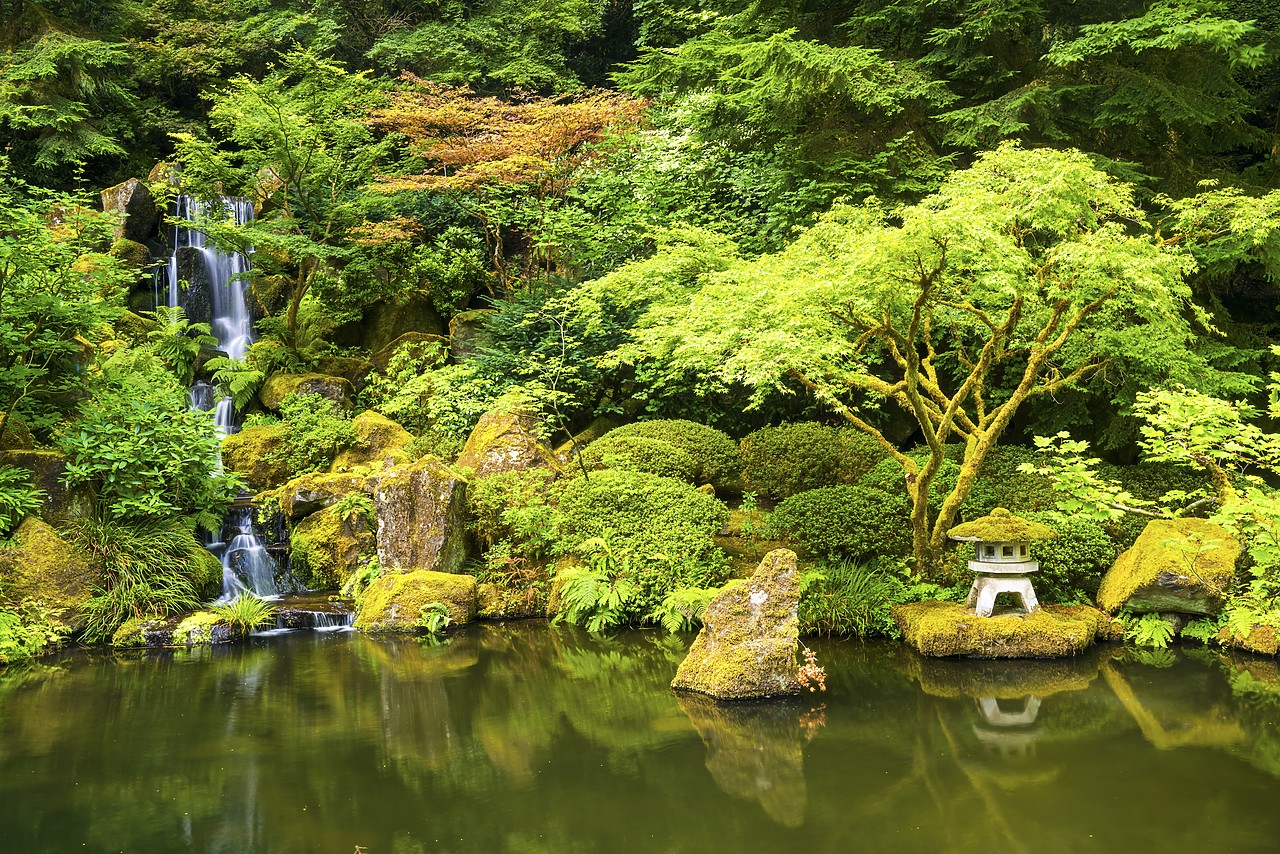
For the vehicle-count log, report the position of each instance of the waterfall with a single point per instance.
(247, 565)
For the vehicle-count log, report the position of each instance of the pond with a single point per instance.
(523, 738)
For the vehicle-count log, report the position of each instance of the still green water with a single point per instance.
(522, 738)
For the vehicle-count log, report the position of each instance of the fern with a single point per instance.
(1203, 630)
(1149, 630)
(589, 598)
(236, 379)
(681, 610)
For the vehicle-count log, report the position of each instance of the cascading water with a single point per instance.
(247, 567)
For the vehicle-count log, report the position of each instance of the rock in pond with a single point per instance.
(948, 628)
(422, 517)
(750, 636)
(1183, 566)
(326, 547)
(394, 602)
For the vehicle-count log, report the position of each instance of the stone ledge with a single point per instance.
(948, 628)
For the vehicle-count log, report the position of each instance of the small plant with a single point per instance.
(365, 574)
(681, 609)
(177, 343)
(235, 378)
(356, 505)
(433, 618)
(812, 676)
(848, 598)
(1147, 630)
(603, 596)
(317, 432)
(246, 612)
(18, 499)
(29, 630)
(749, 507)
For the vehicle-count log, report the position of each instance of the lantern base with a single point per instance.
(982, 596)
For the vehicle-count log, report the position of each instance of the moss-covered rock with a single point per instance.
(354, 370)
(505, 439)
(948, 628)
(133, 201)
(203, 627)
(205, 573)
(466, 333)
(394, 602)
(250, 453)
(134, 328)
(434, 349)
(131, 633)
(270, 293)
(40, 564)
(750, 636)
(48, 474)
(386, 321)
(17, 436)
(378, 439)
(308, 493)
(131, 253)
(326, 547)
(1264, 640)
(280, 385)
(1183, 566)
(422, 517)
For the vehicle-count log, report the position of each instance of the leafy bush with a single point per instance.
(29, 630)
(712, 451)
(849, 598)
(316, 432)
(147, 567)
(887, 477)
(681, 610)
(1071, 567)
(147, 454)
(18, 498)
(1000, 484)
(637, 453)
(514, 507)
(657, 527)
(790, 458)
(601, 597)
(845, 521)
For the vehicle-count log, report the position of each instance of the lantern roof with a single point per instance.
(1001, 526)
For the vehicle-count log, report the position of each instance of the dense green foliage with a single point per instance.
(790, 458)
(640, 453)
(845, 521)
(714, 454)
(316, 431)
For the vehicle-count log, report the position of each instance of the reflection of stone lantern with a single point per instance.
(1002, 558)
(1012, 734)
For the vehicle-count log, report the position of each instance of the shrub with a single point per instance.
(637, 453)
(1071, 567)
(29, 630)
(845, 521)
(657, 527)
(18, 499)
(1000, 484)
(849, 598)
(886, 476)
(316, 432)
(713, 452)
(790, 458)
(514, 507)
(245, 613)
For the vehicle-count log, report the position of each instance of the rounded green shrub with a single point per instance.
(1000, 484)
(658, 530)
(790, 458)
(713, 452)
(637, 453)
(887, 477)
(845, 521)
(1072, 566)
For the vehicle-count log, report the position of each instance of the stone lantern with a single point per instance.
(1002, 558)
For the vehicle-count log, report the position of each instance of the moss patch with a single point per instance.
(131, 253)
(280, 385)
(325, 548)
(48, 470)
(17, 436)
(948, 628)
(394, 602)
(203, 627)
(41, 565)
(1001, 526)
(1264, 640)
(1179, 565)
(377, 439)
(205, 572)
(505, 439)
(248, 453)
(308, 493)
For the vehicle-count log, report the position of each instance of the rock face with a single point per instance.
(378, 440)
(394, 602)
(434, 348)
(280, 385)
(466, 333)
(246, 453)
(505, 440)
(325, 548)
(947, 628)
(48, 471)
(135, 204)
(1177, 565)
(41, 565)
(388, 320)
(304, 495)
(750, 636)
(422, 518)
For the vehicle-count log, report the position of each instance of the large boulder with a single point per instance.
(466, 333)
(750, 636)
(352, 369)
(1183, 566)
(422, 517)
(419, 345)
(250, 453)
(133, 201)
(16, 436)
(48, 474)
(505, 439)
(378, 439)
(386, 321)
(948, 628)
(309, 493)
(327, 546)
(280, 385)
(394, 602)
(40, 564)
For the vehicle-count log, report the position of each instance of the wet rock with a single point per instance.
(41, 565)
(193, 278)
(167, 175)
(386, 321)
(422, 518)
(48, 474)
(418, 345)
(394, 602)
(280, 385)
(466, 333)
(327, 546)
(131, 254)
(137, 207)
(505, 439)
(948, 628)
(250, 453)
(1176, 565)
(750, 636)
(378, 440)
(309, 493)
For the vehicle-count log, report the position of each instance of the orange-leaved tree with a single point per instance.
(508, 163)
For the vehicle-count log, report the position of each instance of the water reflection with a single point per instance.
(523, 738)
